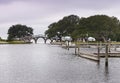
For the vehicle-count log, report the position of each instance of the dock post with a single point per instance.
(106, 56)
(68, 45)
(109, 46)
(78, 49)
(98, 52)
(75, 47)
(115, 47)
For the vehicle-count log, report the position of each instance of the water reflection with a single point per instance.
(106, 74)
(44, 63)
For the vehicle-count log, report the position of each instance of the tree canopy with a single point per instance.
(18, 31)
(65, 26)
(98, 26)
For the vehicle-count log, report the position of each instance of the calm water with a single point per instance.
(43, 63)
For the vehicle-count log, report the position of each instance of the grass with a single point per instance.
(95, 43)
(3, 42)
(13, 42)
(16, 42)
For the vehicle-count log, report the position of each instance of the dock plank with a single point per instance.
(89, 56)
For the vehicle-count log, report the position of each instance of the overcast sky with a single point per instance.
(38, 14)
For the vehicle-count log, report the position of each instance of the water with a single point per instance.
(43, 63)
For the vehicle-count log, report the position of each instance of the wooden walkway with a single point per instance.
(89, 56)
(114, 55)
(94, 56)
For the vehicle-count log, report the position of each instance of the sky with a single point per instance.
(39, 14)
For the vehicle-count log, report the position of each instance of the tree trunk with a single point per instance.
(104, 39)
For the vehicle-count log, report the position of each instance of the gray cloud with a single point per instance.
(40, 13)
(94, 4)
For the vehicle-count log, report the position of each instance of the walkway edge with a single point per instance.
(89, 56)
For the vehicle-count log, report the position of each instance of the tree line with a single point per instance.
(102, 27)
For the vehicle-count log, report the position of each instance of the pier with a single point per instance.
(95, 51)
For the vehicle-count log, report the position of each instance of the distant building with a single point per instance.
(66, 38)
(91, 39)
(16, 39)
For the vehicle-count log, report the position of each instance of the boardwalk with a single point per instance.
(91, 51)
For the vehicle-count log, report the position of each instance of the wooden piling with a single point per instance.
(75, 47)
(106, 56)
(78, 49)
(115, 48)
(109, 46)
(68, 45)
(98, 52)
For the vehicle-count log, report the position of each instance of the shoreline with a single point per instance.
(14, 42)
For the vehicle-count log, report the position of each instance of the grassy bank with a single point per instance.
(92, 43)
(3, 42)
(14, 42)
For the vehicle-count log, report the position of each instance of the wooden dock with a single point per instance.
(114, 55)
(64, 46)
(89, 56)
(56, 43)
(94, 56)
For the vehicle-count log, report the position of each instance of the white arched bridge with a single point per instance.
(45, 38)
(34, 37)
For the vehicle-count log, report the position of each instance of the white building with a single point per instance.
(91, 39)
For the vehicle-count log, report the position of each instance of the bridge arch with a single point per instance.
(34, 37)
(37, 38)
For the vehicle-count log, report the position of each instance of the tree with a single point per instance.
(81, 30)
(64, 26)
(52, 31)
(102, 27)
(99, 26)
(18, 31)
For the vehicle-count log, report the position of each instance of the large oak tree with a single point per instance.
(18, 31)
(99, 26)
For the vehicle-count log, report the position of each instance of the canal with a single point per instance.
(44, 63)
